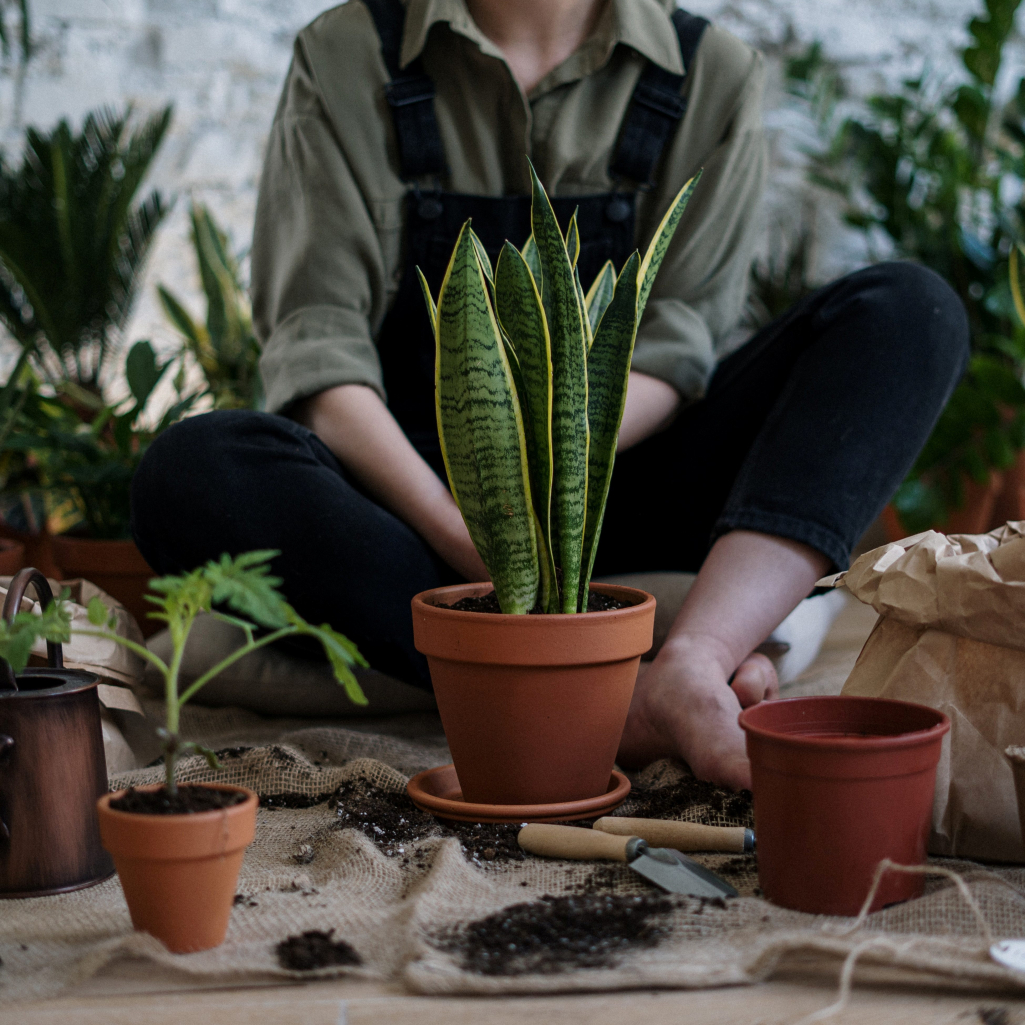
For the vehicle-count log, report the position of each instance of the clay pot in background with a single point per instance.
(116, 567)
(179, 872)
(839, 784)
(533, 706)
(985, 506)
(38, 550)
(12, 557)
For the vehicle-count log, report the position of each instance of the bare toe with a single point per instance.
(755, 680)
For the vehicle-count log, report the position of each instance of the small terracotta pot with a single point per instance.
(116, 567)
(179, 872)
(12, 557)
(38, 550)
(839, 784)
(533, 706)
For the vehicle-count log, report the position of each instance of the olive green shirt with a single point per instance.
(328, 242)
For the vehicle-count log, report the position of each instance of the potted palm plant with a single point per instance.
(177, 848)
(531, 377)
(73, 244)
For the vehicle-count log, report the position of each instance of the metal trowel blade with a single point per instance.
(676, 873)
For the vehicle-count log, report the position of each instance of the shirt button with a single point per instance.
(618, 209)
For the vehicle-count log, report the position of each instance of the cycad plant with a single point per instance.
(73, 241)
(531, 377)
(225, 347)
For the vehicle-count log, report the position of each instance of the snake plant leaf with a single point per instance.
(529, 253)
(565, 317)
(573, 239)
(1017, 252)
(522, 317)
(481, 430)
(485, 260)
(608, 370)
(432, 310)
(599, 295)
(582, 302)
(660, 242)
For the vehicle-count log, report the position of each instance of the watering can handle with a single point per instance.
(16, 592)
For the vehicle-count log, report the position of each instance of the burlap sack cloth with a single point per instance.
(321, 861)
(951, 634)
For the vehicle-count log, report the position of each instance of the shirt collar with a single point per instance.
(643, 25)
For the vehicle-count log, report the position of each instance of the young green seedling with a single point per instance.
(242, 584)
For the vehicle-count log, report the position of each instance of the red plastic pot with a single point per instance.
(533, 706)
(839, 784)
(179, 872)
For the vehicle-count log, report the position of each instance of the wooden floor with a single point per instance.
(358, 1003)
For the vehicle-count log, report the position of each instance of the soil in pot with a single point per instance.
(116, 567)
(596, 602)
(533, 706)
(185, 801)
(840, 783)
(179, 871)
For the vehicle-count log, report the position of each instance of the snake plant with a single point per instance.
(531, 375)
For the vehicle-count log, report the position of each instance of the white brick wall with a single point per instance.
(221, 62)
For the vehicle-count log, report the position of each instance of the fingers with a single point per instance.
(755, 680)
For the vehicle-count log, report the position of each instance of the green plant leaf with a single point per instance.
(181, 318)
(143, 372)
(565, 317)
(573, 239)
(529, 254)
(481, 430)
(99, 614)
(432, 310)
(246, 585)
(599, 295)
(522, 317)
(660, 242)
(341, 654)
(608, 370)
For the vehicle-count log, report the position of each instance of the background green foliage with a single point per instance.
(933, 172)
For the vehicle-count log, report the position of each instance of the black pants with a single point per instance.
(805, 432)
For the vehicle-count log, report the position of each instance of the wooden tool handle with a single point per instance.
(572, 842)
(680, 836)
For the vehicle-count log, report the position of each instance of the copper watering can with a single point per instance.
(52, 770)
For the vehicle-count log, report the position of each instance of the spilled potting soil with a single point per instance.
(188, 800)
(315, 949)
(596, 602)
(669, 802)
(557, 934)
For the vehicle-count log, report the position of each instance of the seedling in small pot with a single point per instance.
(531, 378)
(242, 584)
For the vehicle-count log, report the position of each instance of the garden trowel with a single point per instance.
(669, 869)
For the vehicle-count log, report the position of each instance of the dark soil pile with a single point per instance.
(557, 934)
(315, 949)
(393, 822)
(188, 800)
(489, 603)
(669, 802)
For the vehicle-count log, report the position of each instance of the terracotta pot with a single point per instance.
(976, 516)
(38, 550)
(116, 567)
(839, 784)
(179, 872)
(1010, 503)
(12, 557)
(533, 706)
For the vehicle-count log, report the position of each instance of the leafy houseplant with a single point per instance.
(935, 171)
(531, 376)
(225, 348)
(531, 383)
(178, 852)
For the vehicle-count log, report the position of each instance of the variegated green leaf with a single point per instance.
(529, 254)
(432, 310)
(582, 301)
(481, 432)
(565, 317)
(660, 242)
(599, 295)
(608, 370)
(573, 239)
(522, 317)
(485, 260)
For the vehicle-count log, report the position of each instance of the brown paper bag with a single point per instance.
(951, 634)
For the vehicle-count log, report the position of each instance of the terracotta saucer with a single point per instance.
(437, 791)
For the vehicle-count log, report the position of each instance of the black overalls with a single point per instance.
(433, 217)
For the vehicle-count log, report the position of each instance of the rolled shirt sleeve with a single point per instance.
(700, 290)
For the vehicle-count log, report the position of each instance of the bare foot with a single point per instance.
(684, 708)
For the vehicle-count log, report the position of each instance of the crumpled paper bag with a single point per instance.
(951, 634)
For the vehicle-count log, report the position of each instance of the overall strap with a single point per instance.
(410, 95)
(655, 109)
